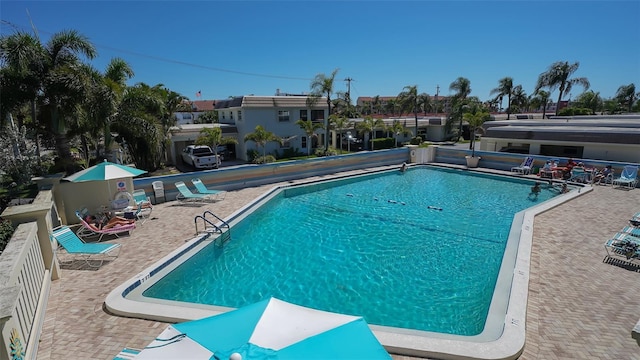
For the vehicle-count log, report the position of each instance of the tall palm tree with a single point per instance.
(462, 88)
(519, 98)
(309, 127)
(376, 104)
(261, 137)
(505, 88)
(557, 77)
(541, 98)
(323, 85)
(627, 96)
(409, 100)
(138, 123)
(425, 103)
(54, 73)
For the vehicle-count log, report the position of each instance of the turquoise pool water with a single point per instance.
(417, 250)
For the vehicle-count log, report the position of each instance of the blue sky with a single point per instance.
(229, 48)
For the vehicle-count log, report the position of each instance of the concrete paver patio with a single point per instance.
(579, 306)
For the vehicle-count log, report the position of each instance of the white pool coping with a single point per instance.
(503, 336)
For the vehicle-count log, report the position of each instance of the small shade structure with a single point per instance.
(94, 187)
(269, 329)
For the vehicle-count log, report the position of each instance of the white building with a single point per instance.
(276, 114)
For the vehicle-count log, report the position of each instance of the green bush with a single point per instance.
(6, 232)
(264, 159)
(322, 152)
(252, 154)
(416, 140)
(384, 143)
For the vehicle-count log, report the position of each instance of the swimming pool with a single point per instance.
(413, 233)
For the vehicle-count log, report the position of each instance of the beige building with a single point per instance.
(611, 137)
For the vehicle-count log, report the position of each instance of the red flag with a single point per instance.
(198, 94)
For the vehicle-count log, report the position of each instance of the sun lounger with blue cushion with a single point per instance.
(75, 248)
(525, 167)
(202, 189)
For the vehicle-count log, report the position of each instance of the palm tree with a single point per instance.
(505, 87)
(626, 95)
(339, 123)
(475, 114)
(589, 100)
(557, 77)
(519, 98)
(541, 98)
(261, 137)
(409, 100)
(397, 128)
(462, 88)
(369, 126)
(309, 127)
(376, 104)
(424, 103)
(213, 138)
(323, 85)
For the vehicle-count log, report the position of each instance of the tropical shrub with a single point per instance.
(384, 143)
(264, 159)
(417, 140)
(6, 232)
(18, 158)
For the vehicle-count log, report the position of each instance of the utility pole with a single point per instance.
(437, 93)
(348, 94)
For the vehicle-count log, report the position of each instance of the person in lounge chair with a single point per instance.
(103, 222)
(602, 175)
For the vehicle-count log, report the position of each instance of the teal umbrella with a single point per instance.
(270, 329)
(105, 171)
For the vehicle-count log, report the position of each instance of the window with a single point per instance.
(223, 118)
(283, 115)
(186, 116)
(231, 115)
(317, 115)
(303, 115)
(304, 142)
(239, 115)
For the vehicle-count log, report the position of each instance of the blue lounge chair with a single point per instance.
(629, 177)
(624, 246)
(186, 195)
(144, 208)
(202, 189)
(127, 354)
(525, 167)
(75, 248)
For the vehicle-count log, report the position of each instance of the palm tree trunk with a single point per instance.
(35, 123)
(558, 103)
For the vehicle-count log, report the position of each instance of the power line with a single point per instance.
(178, 62)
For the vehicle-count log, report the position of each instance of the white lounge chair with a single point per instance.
(628, 177)
(525, 167)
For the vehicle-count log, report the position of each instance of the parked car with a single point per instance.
(200, 157)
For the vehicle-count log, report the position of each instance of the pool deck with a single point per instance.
(579, 306)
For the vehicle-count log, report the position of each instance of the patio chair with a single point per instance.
(579, 175)
(525, 167)
(631, 230)
(127, 354)
(628, 177)
(89, 230)
(74, 248)
(185, 195)
(202, 189)
(624, 246)
(143, 205)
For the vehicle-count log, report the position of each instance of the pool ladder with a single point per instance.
(223, 230)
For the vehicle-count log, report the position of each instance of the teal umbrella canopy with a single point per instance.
(104, 171)
(269, 329)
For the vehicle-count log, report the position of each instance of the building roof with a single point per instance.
(269, 102)
(623, 129)
(203, 105)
